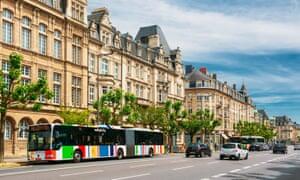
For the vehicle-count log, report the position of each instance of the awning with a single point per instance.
(225, 136)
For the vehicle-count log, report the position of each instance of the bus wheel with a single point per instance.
(151, 152)
(120, 154)
(77, 156)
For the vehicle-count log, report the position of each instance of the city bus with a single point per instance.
(55, 142)
(247, 140)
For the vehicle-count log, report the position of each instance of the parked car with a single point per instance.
(233, 151)
(297, 147)
(266, 147)
(256, 147)
(280, 148)
(198, 150)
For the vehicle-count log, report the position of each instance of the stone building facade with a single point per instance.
(57, 40)
(145, 65)
(229, 104)
(287, 130)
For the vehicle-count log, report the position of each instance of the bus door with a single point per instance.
(130, 142)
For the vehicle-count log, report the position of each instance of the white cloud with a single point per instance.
(197, 31)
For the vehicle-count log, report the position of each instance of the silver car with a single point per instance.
(297, 147)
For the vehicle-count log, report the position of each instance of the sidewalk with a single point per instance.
(11, 162)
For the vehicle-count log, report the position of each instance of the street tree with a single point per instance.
(74, 116)
(209, 123)
(116, 104)
(151, 116)
(15, 93)
(245, 128)
(191, 126)
(173, 113)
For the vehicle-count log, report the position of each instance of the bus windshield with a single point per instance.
(39, 138)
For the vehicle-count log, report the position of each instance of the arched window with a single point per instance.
(7, 130)
(23, 126)
(26, 33)
(42, 121)
(7, 26)
(57, 121)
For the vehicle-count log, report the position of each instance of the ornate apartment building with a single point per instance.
(287, 130)
(52, 38)
(144, 65)
(229, 104)
(57, 40)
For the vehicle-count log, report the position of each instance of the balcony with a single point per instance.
(105, 77)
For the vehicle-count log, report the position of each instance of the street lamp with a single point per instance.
(105, 51)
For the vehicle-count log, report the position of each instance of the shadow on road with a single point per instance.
(285, 170)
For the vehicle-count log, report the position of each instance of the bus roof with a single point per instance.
(99, 126)
(251, 137)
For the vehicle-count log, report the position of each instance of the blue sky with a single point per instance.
(256, 42)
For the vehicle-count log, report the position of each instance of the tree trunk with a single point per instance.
(192, 137)
(170, 143)
(2, 129)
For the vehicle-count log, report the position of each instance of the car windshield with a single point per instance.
(193, 145)
(279, 145)
(229, 146)
(39, 138)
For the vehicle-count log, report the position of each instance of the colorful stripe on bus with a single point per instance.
(90, 152)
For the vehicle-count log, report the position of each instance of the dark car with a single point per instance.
(280, 148)
(256, 147)
(198, 150)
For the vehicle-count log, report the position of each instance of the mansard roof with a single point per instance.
(154, 30)
(196, 75)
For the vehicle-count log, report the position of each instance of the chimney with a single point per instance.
(214, 76)
(234, 86)
(189, 69)
(203, 70)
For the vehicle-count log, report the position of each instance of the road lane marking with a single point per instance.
(130, 177)
(263, 163)
(219, 175)
(77, 167)
(180, 168)
(142, 165)
(184, 160)
(213, 162)
(256, 165)
(235, 170)
(81, 173)
(246, 167)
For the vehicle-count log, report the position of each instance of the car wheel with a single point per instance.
(120, 154)
(238, 157)
(201, 154)
(151, 152)
(221, 157)
(187, 155)
(246, 156)
(209, 154)
(77, 157)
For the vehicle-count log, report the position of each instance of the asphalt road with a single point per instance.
(260, 165)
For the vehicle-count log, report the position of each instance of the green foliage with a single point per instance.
(115, 105)
(245, 128)
(192, 125)
(173, 113)
(15, 94)
(74, 116)
(152, 116)
(208, 120)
